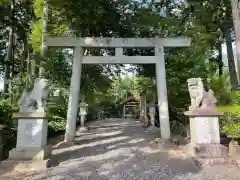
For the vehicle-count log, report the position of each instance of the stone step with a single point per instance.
(211, 150)
(210, 161)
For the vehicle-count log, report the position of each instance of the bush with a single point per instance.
(222, 89)
(230, 121)
(57, 111)
(57, 123)
(232, 129)
(9, 135)
(6, 110)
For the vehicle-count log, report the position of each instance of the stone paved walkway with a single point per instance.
(119, 150)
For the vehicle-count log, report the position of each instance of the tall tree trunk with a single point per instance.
(220, 61)
(230, 56)
(33, 66)
(236, 21)
(25, 59)
(9, 56)
(168, 10)
(44, 35)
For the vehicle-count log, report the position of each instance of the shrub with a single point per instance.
(57, 123)
(230, 121)
(57, 111)
(222, 89)
(232, 129)
(6, 110)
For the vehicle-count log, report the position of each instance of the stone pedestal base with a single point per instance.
(28, 159)
(33, 165)
(31, 153)
(208, 154)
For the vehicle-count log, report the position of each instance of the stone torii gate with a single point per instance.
(118, 43)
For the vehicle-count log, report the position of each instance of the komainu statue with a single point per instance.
(199, 97)
(34, 100)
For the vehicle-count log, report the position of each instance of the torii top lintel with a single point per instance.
(118, 42)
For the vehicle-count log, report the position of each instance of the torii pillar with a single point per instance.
(119, 58)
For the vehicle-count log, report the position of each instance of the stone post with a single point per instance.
(162, 94)
(124, 111)
(152, 112)
(32, 151)
(83, 114)
(74, 95)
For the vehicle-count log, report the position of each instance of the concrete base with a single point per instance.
(29, 159)
(19, 165)
(208, 154)
(31, 153)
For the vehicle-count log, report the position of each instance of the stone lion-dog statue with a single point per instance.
(199, 97)
(35, 99)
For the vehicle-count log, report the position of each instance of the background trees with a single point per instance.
(25, 24)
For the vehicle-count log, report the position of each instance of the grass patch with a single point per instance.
(229, 108)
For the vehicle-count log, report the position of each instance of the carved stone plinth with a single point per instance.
(208, 154)
(205, 145)
(32, 151)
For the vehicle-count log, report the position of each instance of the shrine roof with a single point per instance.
(130, 100)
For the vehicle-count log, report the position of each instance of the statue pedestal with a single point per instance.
(32, 151)
(205, 145)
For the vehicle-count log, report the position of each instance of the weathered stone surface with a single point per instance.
(208, 154)
(35, 100)
(19, 165)
(30, 115)
(234, 148)
(31, 153)
(204, 130)
(205, 145)
(203, 112)
(199, 97)
(32, 133)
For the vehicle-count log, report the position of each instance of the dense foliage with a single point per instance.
(26, 24)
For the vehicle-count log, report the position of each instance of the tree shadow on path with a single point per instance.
(116, 151)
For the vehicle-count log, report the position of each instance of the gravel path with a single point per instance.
(119, 150)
